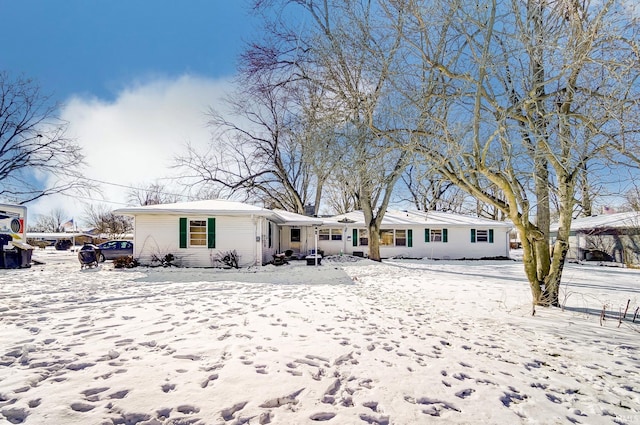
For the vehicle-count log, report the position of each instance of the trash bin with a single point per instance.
(11, 258)
(17, 257)
(4, 241)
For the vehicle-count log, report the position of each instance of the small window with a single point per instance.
(436, 235)
(324, 234)
(295, 235)
(401, 238)
(363, 237)
(336, 234)
(478, 235)
(197, 232)
(386, 237)
(482, 236)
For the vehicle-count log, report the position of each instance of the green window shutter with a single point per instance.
(211, 232)
(183, 232)
(410, 238)
(490, 235)
(427, 234)
(445, 235)
(355, 237)
(270, 236)
(473, 235)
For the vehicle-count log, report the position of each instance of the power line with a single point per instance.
(188, 197)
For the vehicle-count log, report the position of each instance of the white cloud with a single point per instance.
(133, 139)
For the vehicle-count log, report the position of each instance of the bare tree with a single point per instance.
(104, 221)
(523, 80)
(343, 54)
(428, 191)
(32, 141)
(261, 152)
(152, 194)
(52, 222)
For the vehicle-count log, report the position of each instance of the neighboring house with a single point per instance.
(416, 234)
(617, 235)
(196, 233)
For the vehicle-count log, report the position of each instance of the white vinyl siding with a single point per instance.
(158, 235)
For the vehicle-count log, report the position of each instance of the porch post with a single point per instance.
(315, 241)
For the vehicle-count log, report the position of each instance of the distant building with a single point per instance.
(617, 235)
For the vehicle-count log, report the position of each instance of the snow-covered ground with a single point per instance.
(402, 342)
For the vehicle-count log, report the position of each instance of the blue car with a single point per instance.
(115, 249)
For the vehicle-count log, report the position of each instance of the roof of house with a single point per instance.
(611, 221)
(222, 207)
(391, 217)
(293, 219)
(413, 218)
(209, 206)
(56, 235)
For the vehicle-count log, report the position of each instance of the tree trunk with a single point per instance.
(373, 227)
(529, 253)
(374, 242)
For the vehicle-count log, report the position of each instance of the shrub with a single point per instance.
(228, 259)
(165, 261)
(126, 262)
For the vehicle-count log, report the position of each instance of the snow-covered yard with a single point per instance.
(402, 342)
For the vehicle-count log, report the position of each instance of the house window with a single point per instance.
(197, 232)
(436, 235)
(295, 235)
(401, 238)
(386, 237)
(398, 237)
(363, 237)
(330, 234)
(482, 235)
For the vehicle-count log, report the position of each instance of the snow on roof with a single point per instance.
(412, 218)
(293, 219)
(618, 220)
(223, 207)
(56, 235)
(391, 218)
(209, 206)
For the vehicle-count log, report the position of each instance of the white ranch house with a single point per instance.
(417, 234)
(196, 232)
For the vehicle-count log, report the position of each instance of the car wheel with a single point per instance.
(101, 258)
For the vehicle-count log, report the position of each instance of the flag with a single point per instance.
(608, 210)
(68, 225)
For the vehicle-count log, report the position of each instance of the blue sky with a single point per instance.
(97, 47)
(134, 77)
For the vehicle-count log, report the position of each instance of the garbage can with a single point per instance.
(17, 257)
(24, 252)
(4, 241)
(11, 258)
